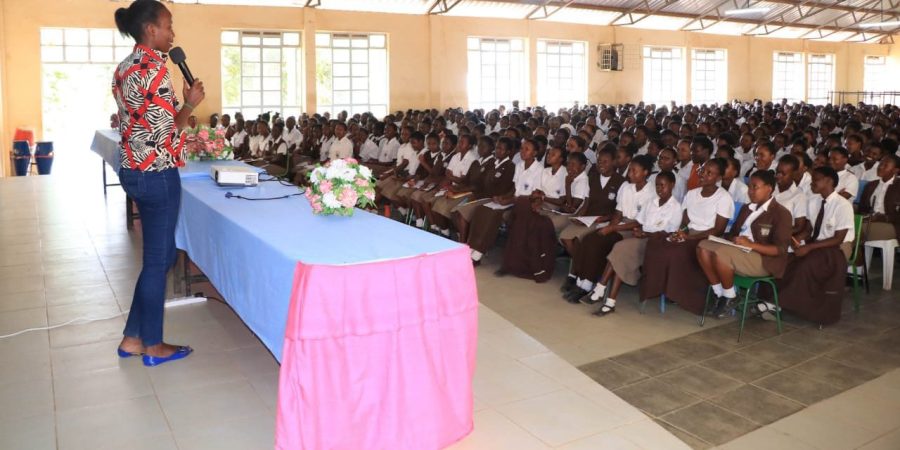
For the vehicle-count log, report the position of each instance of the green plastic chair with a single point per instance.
(857, 243)
(747, 284)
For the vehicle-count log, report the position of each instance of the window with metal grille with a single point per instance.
(84, 45)
(787, 76)
(262, 72)
(820, 78)
(709, 76)
(664, 75)
(875, 79)
(497, 72)
(351, 73)
(562, 73)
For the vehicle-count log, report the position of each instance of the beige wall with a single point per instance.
(427, 53)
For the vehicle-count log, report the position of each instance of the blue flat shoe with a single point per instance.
(180, 353)
(124, 354)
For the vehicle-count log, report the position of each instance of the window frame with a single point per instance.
(549, 95)
(476, 78)
(719, 87)
(119, 46)
(819, 78)
(353, 80)
(676, 79)
(799, 70)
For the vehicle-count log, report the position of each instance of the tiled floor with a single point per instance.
(64, 253)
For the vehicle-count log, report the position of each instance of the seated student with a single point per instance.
(463, 170)
(408, 183)
(389, 181)
(701, 152)
(868, 169)
(240, 140)
(803, 176)
(624, 154)
(497, 183)
(423, 198)
(881, 201)
(788, 194)
(531, 247)
(292, 135)
(325, 141)
(685, 165)
(430, 159)
(388, 147)
(671, 266)
(813, 284)
(764, 159)
(666, 162)
(848, 184)
(657, 220)
(364, 149)
(764, 226)
(342, 147)
(603, 183)
(732, 183)
(259, 143)
(573, 200)
(275, 153)
(590, 255)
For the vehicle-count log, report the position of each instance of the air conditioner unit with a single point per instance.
(610, 57)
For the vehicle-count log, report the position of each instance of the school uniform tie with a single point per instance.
(694, 178)
(818, 225)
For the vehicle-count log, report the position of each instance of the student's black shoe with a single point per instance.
(727, 306)
(717, 307)
(567, 286)
(587, 300)
(604, 310)
(575, 294)
(476, 263)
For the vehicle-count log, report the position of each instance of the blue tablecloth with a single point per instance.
(250, 249)
(106, 144)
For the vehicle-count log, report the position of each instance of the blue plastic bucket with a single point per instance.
(43, 156)
(21, 157)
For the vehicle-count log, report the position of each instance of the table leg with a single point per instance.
(103, 168)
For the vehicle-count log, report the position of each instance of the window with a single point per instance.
(497, 72)
(875, 79)
(663, 75)
(262, 72)
(352, 73)
(787, 77)
(561, 69)
(709, 76)
(84, 45)
(820, 81)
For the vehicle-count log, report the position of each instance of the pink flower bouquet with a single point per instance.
(205, 144)
(340, 186)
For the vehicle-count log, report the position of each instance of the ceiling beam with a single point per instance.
(679, 15)
(644, 6)
(547, 13)
(837, 6)
(837, 28)
(442, 6)
(812, 10)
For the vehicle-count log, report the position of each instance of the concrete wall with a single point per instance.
(427, 54)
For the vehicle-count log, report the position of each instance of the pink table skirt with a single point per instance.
(379, 356)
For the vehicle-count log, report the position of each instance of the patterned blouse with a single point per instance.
(147, 108)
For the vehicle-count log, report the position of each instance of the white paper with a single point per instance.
(497, 206)
(441, 193)
(727, 242)
(586, 220)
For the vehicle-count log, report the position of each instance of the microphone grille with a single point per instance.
(177, 55)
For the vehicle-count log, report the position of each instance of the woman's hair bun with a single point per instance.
(122, 20)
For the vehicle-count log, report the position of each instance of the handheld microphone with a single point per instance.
(179, 58)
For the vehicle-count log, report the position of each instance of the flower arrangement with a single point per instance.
(339, 186)
(204, 144)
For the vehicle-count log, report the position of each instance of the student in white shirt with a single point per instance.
(868, 169)
(388, 152)
(259, 143)
(659, 218)
(553, 177)
(788, 194)
(325, 142)
(813, 284)
(292, 134)
(881, 202)
(733, 183)
(342, 147)
(589, 259)
(276, 151)
(240, 140)
(368, 149)
(848, 184)
(390, 181)
(456, 172)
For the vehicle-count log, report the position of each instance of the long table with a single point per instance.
(106, 145)
(374, 322)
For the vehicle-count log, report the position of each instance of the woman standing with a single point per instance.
(151, 118)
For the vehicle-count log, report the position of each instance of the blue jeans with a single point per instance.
(158, 198)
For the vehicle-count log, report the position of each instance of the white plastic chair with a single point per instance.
(888, 248)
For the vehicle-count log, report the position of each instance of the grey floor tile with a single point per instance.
(811, 340)
(741, 366)
(651, 361)
(835, 373)
(798, 387)
(700, 381)
(758, 405)
(710, 423)
(692, 441)
(774, 352)
(863, 357)
(693, 348)
(611, 374)
(655, 397)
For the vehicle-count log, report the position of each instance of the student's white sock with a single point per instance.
(435, 227)
(572, 276)
(403, 211)
(729, 293)
(476, 255)
(584, 284)
(717, 289)
(445, 232)
(599, 292)
(588, 285)
(420, 222)
(611, 302)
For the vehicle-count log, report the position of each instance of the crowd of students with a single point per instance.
(631, 194)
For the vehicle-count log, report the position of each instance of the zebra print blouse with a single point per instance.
(147, 109)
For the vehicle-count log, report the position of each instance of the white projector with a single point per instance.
(234, 175)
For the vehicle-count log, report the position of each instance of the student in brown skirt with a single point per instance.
(499, 188)
(881, 201)
(670, 265)
(423, 199)
(589, 259)
(660, 218)
(426, 158)
(469, 186)
(764, 226)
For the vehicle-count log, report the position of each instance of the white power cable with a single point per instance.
(79, 320)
